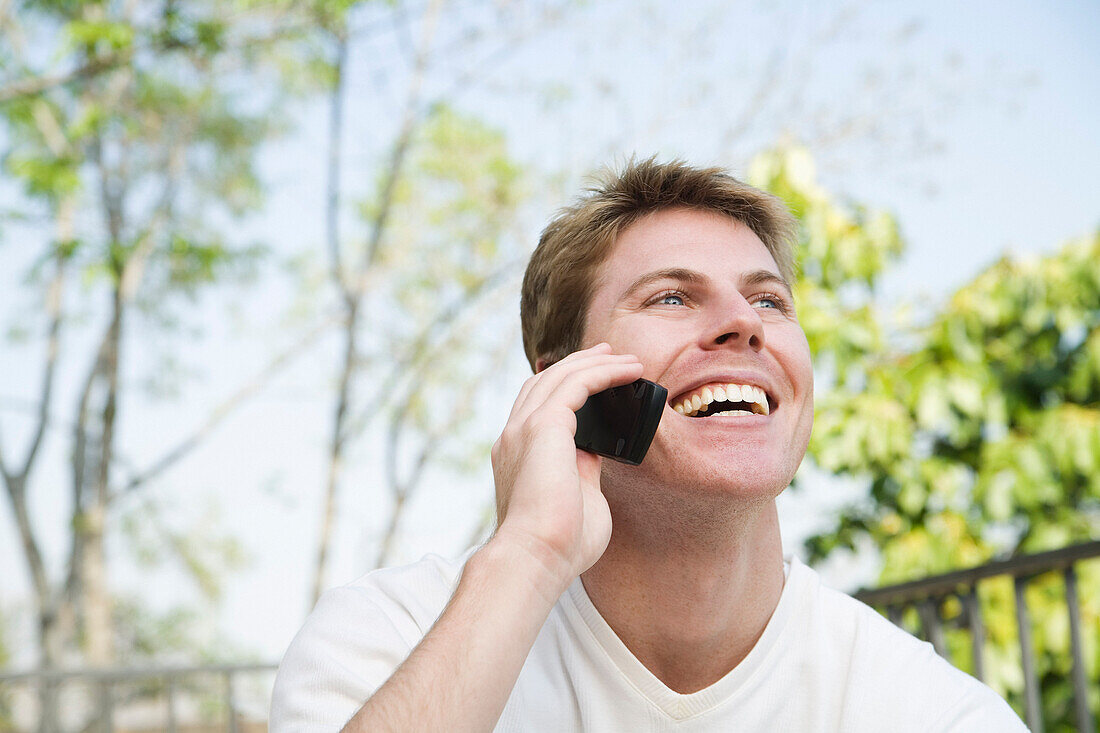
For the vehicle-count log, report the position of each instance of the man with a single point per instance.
(636, 598)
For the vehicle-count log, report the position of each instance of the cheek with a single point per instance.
(656, 348)
(801, 366)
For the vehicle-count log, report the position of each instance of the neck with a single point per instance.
(689, 599)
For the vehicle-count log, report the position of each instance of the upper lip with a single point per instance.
(753, 378)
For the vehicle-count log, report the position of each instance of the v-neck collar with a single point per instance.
(579, 610)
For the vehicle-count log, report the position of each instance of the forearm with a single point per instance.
(459, 677)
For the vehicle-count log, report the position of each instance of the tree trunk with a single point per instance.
(98, 626)
(336, 453)
(350, 319)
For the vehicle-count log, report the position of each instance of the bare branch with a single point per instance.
(446, 316)
(401, 147)
(765, 88)
(335, 136)
(224, 410)
(53, 343)
(352, 298)
(494, 60)
(403, 489)
(37, 84)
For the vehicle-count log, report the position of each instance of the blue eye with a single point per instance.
(771, 302)
(671, 299)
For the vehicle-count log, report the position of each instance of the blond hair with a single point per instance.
(557, 287)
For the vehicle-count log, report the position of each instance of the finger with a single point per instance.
(576, 387)
(552, 424)
(540, 392)
(528, 385)
(553, 373)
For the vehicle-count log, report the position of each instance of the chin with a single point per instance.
(738, 481)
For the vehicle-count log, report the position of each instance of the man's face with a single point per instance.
(697, 297)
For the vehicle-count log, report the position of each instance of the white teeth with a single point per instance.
(755, 396)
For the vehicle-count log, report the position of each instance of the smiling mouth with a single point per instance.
(716, 400)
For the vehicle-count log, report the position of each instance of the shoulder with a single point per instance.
(354, 639)
(887, 672)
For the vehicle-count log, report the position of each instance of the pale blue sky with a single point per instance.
(975, 123)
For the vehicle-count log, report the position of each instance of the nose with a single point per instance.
(737, 325)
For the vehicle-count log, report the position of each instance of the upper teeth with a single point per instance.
(694, 403)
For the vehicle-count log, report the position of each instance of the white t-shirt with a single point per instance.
(825, 662)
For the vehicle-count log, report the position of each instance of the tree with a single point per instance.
(130, 152)
(977, 433)
(440, 167)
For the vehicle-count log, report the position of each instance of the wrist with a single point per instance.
(526, 559)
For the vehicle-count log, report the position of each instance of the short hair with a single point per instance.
(557, 286)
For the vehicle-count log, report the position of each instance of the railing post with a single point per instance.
(171, 695)
(929, 611)
(49, 713)
(977, 630)
(107, 704)
(1080, 687)
(1033, 707)
(230, 707)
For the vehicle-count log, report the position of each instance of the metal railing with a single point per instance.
(928, 596)
(105, 682)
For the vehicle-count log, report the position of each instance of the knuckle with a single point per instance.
(507, 437)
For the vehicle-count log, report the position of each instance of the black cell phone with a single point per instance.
(620, 422)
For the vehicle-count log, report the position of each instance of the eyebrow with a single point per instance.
(761, 277)
(756, 277)
(670, 273)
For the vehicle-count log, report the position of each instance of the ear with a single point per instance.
(540, 364)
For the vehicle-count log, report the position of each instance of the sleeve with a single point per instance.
(346, 650)
(982, 709)
(354, 640)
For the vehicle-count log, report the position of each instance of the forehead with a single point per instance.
(716, 245)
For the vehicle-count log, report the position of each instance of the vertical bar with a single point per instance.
(229, 702)
(894, 614)
(1027, 656)
(1080, 688)
(171, 690)
(977, 630)
(929, 611)
(107, 704)
(49, 696)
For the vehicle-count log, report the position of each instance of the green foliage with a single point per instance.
(450, 215)
(132, 131)
(447, 241)
(842, 249)
(977, 433)
(202, 551)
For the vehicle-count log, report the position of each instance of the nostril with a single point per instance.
(724, 338)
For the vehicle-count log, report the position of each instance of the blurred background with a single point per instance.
(259, 272)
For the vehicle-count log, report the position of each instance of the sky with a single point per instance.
(975, 124)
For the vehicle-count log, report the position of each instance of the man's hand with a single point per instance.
(554, 524)
(549, 503)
